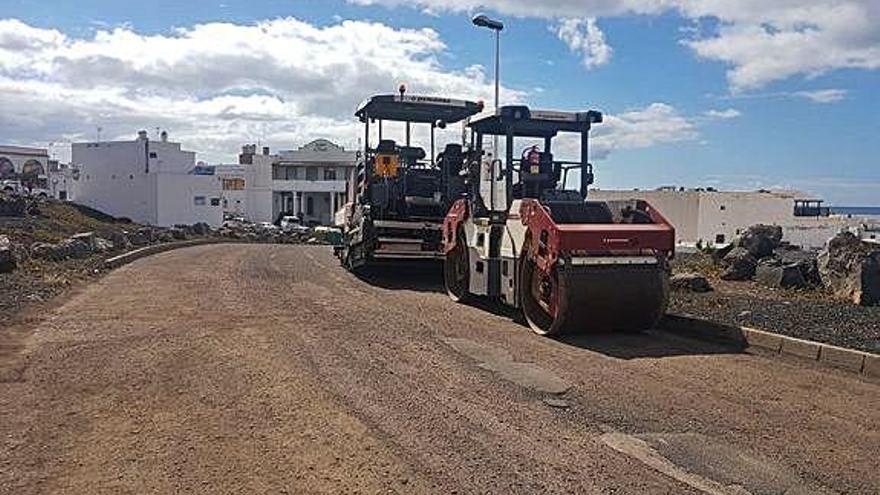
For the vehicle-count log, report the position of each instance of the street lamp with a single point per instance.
(482, 20)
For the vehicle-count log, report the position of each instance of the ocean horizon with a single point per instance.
(871, 212)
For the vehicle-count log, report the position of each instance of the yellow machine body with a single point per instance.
(387, 164)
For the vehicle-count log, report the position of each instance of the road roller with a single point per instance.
(527, 235)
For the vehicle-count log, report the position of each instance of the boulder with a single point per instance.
(139, 238)
(774, 273)
(201, 228)
(178, 233)
(103, 245)
(75, 248)
(13, 206)
(8, 260)
(806, 262)
(118, 239)
(45, 251)
(88, 238)
(850, 269)
(760, 240)
(692, 282)
(740, 265)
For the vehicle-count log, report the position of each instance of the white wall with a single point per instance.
(114, 179)
(177, 200)
(704, 215)
(147, 181)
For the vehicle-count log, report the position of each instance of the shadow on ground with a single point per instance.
(420, 276)
(427, 276)
(647, 344)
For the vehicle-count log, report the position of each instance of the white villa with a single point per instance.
(310, 182)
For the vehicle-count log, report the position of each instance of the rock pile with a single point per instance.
(254, 233)
(17, 206)
(760, 255)
(850, 269)
(78, 246)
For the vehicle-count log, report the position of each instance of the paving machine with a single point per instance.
(522, 237)
(402, 193)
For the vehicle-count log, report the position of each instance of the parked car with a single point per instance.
(16, 187)
(292, 224)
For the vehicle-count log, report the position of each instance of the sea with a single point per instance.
(868, 212)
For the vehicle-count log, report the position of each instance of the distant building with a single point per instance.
(24, 167)
(310, 182)
(712, 217)
(151, 182)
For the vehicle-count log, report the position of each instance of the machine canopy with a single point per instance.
(525, 122)
(417, 109)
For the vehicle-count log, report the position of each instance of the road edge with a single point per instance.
(858, 362)
(136, 254)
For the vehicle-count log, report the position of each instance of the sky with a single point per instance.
(732, 94)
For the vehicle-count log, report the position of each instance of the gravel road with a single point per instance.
(268, 369)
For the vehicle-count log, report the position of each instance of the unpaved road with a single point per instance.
(268, 369)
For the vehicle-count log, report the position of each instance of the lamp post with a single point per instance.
(482, 20)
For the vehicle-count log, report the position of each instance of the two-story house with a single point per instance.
(310, 182)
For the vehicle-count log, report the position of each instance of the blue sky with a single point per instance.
(694, 99)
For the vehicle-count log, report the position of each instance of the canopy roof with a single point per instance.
(534, 123)
(420, 109)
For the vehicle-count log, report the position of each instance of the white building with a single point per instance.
(151, 182)
(715, 217)
(23, 166)
(310, 182)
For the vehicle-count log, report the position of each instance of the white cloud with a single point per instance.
(762, 41)
(658, 123)
(584, 36)
(822, 95)
(217, 86)
(730, 113)
(831, 95)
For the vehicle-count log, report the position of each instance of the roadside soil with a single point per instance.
(805, 314)
(269, 369)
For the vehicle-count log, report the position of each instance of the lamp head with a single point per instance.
(482, 20)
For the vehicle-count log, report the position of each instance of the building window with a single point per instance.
(310, 206)
(233, 184)
(215, 201)
(153, 154)
(199, 200)
(329, 174)
(312, 173)
(719, 239)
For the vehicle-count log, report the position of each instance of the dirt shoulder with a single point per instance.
(811, 315)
